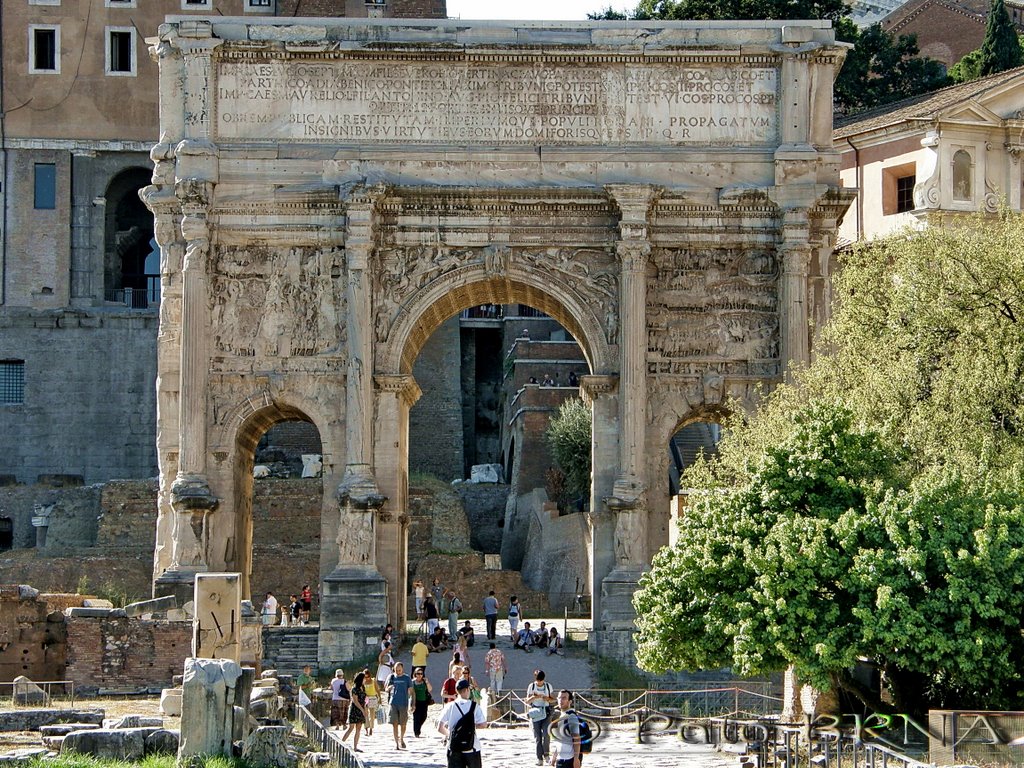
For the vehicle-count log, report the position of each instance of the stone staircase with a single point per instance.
(289, 649)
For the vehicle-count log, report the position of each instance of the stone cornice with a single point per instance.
(401, 385)
(593, 386)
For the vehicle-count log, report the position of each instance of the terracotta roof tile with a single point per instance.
(924, 106)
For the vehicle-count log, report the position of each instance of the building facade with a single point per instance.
(953, 151)
(79, 274)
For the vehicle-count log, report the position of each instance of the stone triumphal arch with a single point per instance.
(326, 193)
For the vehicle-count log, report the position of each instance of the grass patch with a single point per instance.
(72, 760)
(609, 673)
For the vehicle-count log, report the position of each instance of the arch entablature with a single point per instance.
(245, 422)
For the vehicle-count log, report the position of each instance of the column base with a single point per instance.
(179, 583)
(613, 637)
(353, 612)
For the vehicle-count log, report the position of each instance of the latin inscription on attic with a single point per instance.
(481, 103)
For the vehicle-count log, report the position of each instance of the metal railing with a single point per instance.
(135, 298)
(325, 740)
(23, 698)
(787, 746)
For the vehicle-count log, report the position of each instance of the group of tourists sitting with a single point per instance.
(438, 640)
(527, 638)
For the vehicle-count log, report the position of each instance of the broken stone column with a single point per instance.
(207, 708)
(217, 630)
(268, 746)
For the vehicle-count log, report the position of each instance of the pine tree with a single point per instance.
(1000, 51)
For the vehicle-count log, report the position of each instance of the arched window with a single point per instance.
(6, 533)
(963, 187)
(132, 259)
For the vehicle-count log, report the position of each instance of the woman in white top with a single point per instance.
(386, 664)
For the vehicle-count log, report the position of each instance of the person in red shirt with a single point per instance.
(448, 690)
(307, 602)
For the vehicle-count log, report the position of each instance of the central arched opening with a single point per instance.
(490, 505)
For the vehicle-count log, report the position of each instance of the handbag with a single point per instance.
(430, 699)
(537, 713)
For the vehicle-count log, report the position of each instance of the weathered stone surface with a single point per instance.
(264, 701)
(32, 719)
(207, 712)
(485, 473)
(164, 741)
(315, 759)
(170, 702)
(155, 605)
(312, 465)
(62, 729)
(128, 745)
(134, 721)
(27, 692)
(21, 757)
(89, 613)
(96, 602)
(218, 619)
(267, 747)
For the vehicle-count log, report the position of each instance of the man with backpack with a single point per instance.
(458, 723)
(569, 734)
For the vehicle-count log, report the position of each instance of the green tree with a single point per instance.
(568, 437)
(881, 69)
(878, 500)
(1000, 50)
(969, 67)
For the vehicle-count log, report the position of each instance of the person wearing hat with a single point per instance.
(458, 723)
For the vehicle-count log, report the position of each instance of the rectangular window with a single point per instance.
(12, 382)
(120, 51)
(43, 49)
(120, 3)
(905, 193)
(260, 5)
(45, 186)
(192, 5)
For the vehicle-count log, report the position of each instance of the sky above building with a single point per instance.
(530, 10)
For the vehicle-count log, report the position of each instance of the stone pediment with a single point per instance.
(972, 113)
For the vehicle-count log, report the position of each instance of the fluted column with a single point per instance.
(600, 392)
(395, 396)
(628, 497)
(794, 315)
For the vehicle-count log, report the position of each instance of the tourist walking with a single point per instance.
(372, 701)
(294, 613)
(437, 592)
(398, 688)
(458, 723)
(269, 611)
(341, 698)
(539, 698)
(357, 712)
(420, 651)
(515, 613)
(474, 688)
(385, 665)
(496, 667)
(448, 692)
(422, 699)
(491, 615)
(567, 733)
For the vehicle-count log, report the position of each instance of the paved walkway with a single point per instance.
(571, 669)
(513, 747)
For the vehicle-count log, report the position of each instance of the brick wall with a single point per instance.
(32, 637)
(435, 422)
(126, 654)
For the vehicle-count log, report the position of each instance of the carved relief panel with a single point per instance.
(713, 309)
(277, 302)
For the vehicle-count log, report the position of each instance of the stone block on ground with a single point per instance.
(134, 721)
(164, 741)
(156, 605)
(89, 613)
(33, 719)
(96, 602)
(207, 711)
(63, 729)
(170, 702)
(27, 692)
(23, 756)
(485, 473)
(267, 747)
(268, 674)
(128, 745)
(315, 759)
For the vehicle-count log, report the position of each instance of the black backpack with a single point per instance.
(586, 733)
(463, 736)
